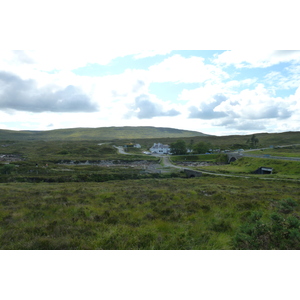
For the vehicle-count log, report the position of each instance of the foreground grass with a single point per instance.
(198, 213)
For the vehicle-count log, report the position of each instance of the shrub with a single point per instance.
(278, 232)
(7, 169)
(287, 205)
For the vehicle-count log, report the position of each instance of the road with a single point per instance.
(272, 157)
(166, 162)
(121, 150)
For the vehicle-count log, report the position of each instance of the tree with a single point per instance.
(178, 148)
(253, 140)
(201, 147)
(191, 146)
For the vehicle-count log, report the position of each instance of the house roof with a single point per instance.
(160, 146)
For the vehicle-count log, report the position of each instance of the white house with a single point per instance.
(137, 146)
(160, 148)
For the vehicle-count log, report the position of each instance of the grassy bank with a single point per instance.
(247, 165)
(281, 152)
(202, 157)
(41, 151)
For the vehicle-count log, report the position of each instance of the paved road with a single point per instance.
(272, 157)
(245, 153)
(167, 162)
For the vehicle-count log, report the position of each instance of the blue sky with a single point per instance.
(216, 92)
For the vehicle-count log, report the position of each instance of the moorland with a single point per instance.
(78, 193)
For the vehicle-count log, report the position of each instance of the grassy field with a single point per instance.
(281, 152)
(82, 161)
(247, 165)
(202, 157)
(146, 136)
(199, 213)
(55, 151)
(81, 195)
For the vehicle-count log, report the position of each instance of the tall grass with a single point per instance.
(199, 213)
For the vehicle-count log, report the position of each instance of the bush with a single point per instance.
(7, 169)
(222, 158)
(278, 232)
(287, 205)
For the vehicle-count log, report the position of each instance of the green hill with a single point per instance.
(104, 133)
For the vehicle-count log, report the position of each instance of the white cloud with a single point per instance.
(248, 110)
(151, 53)
(240, 106)
(146, 108)
(256, 58)
(256, 104)
(188, 70)
(62, 59)
(284, 81)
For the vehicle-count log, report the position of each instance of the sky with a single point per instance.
(94, 71)
(214, 92)
(91, 67)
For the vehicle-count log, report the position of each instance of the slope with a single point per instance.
(104, 133)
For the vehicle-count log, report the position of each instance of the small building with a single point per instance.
(263, 170)
(128, 145)
(160, 148)
(131, 145)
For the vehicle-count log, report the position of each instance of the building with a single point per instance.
(131, 145)
(263, 170)
(160, 149)
(128, 145)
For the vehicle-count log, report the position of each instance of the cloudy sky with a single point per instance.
(89, 69)
(215, 92)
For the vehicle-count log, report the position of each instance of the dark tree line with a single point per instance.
(180, 147)
(253, 141)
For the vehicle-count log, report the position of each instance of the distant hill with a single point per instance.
(103, 133)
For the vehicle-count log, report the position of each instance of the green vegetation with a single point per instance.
(178, 148)
(81, 195)
(199, 158)
(232, 142)
(247, 165)
(102, 134)
(201, 147)
(253, 141)
(272, 230)
(281, 152)
(199, 213)
(57, 151)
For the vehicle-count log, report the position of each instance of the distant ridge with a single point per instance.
(102, 133)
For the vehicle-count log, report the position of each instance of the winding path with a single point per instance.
(167, 163)
(121, 151)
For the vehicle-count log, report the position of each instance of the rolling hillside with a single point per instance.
(104, 133)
